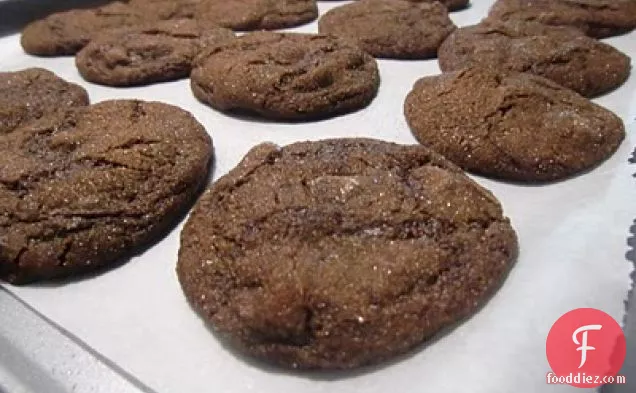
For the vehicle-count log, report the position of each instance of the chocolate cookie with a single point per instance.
(286, 76)
(156, 52)
(31, 93)
(452, 5)
(247, 15)
(596, 18)
(65, 33)
(562, 54)
(511, 125)
(83, 188)
(390, 28)
(340, 253)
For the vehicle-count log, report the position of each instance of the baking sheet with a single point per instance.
(572, 237)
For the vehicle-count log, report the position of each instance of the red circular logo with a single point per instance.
(585, 347)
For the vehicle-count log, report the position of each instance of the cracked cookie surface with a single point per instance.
(156, 52)
(509, 125)
(340, 253)
(245, 15)
(596, 18)
(562, 54)
(82, 188)
(29, 94)
(286, 76)
(390, 28)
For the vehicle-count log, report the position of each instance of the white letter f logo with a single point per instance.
(583, 344)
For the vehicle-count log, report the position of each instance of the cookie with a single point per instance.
(65, 33)
(341, 253)
(390, 28)
(286, 76)
(83, 188)
(245, 15)
(156, 52)
(596, 18)
(510, 125)
(452, 5)
(562, 54)
(29, 94)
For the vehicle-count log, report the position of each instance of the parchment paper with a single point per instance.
(572, 236)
